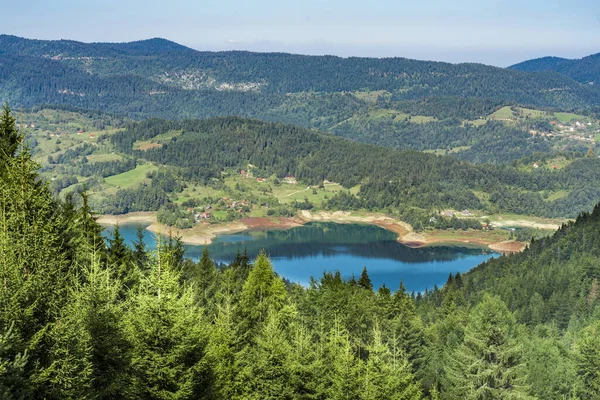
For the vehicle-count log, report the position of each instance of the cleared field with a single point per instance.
(557, 195)
(559, 163)
(372, 96)
(421, 119)
(198, 192)
(528, 112)
(505, 113)
(514, 220)
(156, 141)
(92, 158)
(130, 178)
(446, 151)
(516, 113)
(475, 122)
(287, 194)
(567, 117)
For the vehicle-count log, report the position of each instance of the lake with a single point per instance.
(302, 252)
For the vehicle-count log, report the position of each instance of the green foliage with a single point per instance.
(389, 179)
(387, 376)
(587, 361)
(584, 70)
(9, 135)
(13, 382)
(263, 293)
(167, 334)
(488, 364)
(80, 319)
(131, 77)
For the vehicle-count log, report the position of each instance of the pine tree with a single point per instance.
(265, 372)
(118, 253)
(13, 382)
(221, 351)
(33, 261)
(92, 232)
(119, 260)
(405, 328)
(488, 364)
(89, 353)
(206, 279)
(139, 255)
(174, 250)
(168, 336)
(364, 281)
(387, 377)
(343, 371)
(10, 137)
(306, 365)
(264, 292)
(587, 361)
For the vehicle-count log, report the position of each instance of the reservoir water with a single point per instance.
(309, 250)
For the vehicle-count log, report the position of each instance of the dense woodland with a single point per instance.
(139, 63)
(81, 317)
(584, 70)
(346, 97)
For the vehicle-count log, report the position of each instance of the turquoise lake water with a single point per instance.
(309, 250)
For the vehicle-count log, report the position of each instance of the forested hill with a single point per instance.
(201, 149)
(555, 280)
(585, 70)
(70, 48)
(551, 288)
(161, 78)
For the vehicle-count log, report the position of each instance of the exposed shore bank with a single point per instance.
(204, 233)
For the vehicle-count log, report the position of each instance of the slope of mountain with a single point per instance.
(392, 102)
(585, 70)
(156, 70)
(204, 152)
(69, 48)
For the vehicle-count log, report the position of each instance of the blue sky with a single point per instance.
(497, 32)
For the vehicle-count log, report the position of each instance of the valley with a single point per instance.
(79, 151)
(239, 225)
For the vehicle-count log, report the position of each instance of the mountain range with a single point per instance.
(584, 70)
(157, 76)
(391, 102)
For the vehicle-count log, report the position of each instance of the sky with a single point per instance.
(495, 32)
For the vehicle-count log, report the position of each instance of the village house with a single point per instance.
(204, 215)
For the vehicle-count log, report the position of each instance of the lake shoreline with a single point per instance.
(204, 233)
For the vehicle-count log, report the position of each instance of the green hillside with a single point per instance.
(156, 164)
(585, 70)
(392, 102)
